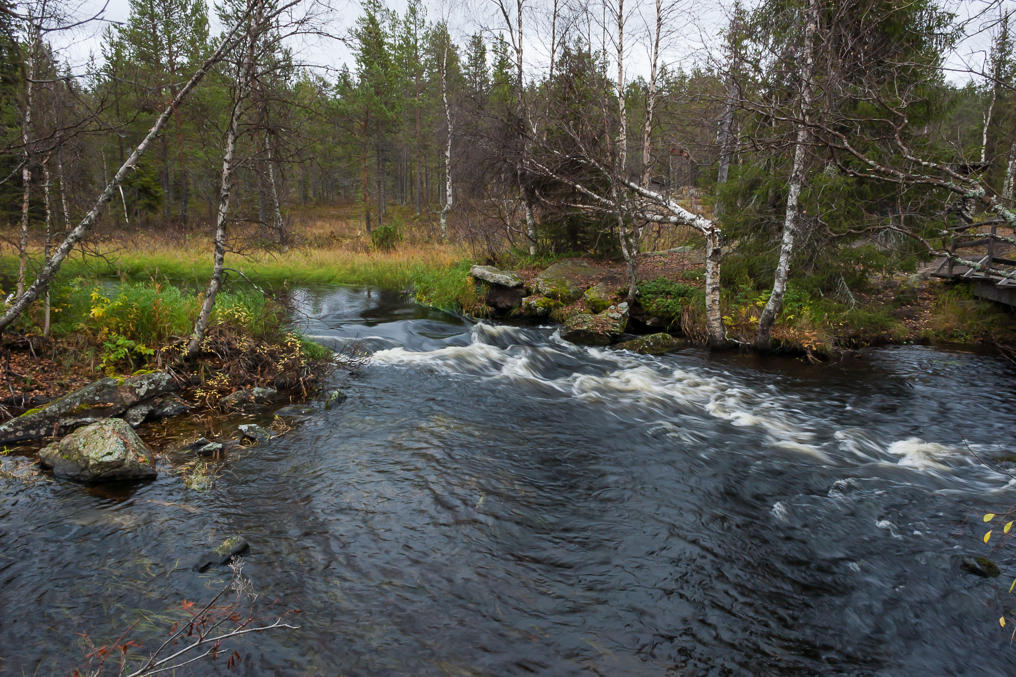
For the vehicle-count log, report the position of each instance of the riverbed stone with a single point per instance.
(105, 398)
(495, 276)
(538, 306)
(335, 397)
(980, 566)
(107, 450)
(247, 399)
(653, 344)
(234, 546)
(254, 432)
(596, 330)
(565, 280)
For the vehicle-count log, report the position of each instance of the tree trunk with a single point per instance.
(717, 335)
(449, 196)
(53, 264)
(763, 338)
(273, 194)
(49, 236)
(225, 193)
(1010, 170)
(26, 161)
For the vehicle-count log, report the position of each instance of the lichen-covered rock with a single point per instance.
(598, 297)
(335, 397)
(538, 306)
(565, 280)
(101, 399)
(653, 344)
(494, 276)
(249, 398)
(107, 450)
(601, 329)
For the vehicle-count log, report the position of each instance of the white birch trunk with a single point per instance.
(449, 195)
(225, 195)
(1010, 170)
(26, 160)
(48, 241)
(763, 338)
(273, 194)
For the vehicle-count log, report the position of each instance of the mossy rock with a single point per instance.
(538, 306)
(598, 297)
(653, 344)
(565, 280)
(601, 329)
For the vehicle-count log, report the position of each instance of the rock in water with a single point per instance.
(980, 566)
(334, 397)
(653, 344)
(249, 399)
(254, 432)
(596, 330)
(107, 450)
(234, 546)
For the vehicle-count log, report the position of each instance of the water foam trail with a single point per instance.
(625, 378)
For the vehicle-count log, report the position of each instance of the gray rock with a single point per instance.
(296, 411)
(234, 546)
(101, 399)
(249, 398)
(565, 280)
(539, 306)
(137, 414)
(494, 276)
(334, 398)
(107, 450)
(596, 330)
(168, 406)
(598, 297)
(653, 344)
(254, 432)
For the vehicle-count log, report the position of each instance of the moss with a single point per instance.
(34, 410)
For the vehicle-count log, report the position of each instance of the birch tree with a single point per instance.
(774, 305)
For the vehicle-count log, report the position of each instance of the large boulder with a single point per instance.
(601, 329)
(653, 344)
(538, 306)
(102, 399)
(495, 276)
(504, 288)
(598, 297)
(107, 450)
(565, 280)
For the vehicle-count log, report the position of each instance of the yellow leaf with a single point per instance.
(987, 535)
(1013, 585)
(1001, 621)
(990, 516)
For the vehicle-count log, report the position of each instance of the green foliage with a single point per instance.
(118, 351)
(314, 351)
(385, 238)
(666, 299)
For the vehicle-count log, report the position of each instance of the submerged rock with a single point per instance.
(596, 330)
(105, 398)
(254, 432)
(495, 276)
(653, 344)
(334, 397)
(249, 398)
(565, 280)
(296, 411)
(234, 546)
(980, 566)
(107, 450)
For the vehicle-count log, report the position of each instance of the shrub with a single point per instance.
(385, 238)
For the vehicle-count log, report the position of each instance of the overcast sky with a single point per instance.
(696, 30)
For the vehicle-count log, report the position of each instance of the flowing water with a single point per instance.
(491, 500)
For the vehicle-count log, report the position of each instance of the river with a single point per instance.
(491, 500)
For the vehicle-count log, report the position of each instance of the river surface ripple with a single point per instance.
(491, 500)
